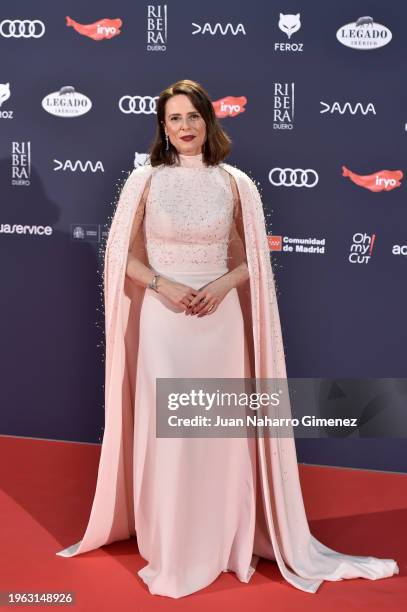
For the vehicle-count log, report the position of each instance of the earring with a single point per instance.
(166, 139)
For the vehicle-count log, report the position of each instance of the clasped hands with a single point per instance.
(198, 302)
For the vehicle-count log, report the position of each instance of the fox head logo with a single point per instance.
(4, 92)
(289, 24)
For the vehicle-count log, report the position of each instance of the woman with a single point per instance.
(189, 293)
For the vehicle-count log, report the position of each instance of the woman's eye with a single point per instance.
(195, 116)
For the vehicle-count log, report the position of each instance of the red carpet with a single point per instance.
(46, 494)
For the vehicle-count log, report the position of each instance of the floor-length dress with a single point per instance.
(197, 501)
(195, 498)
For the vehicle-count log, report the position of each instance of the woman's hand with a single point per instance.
(208, 298)
(177, 293)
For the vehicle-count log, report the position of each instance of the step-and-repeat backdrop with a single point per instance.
(313, 96)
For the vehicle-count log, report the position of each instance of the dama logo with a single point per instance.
(103, 28)
(337, 107)
(218, 28)
(384, 180)
(229, 106)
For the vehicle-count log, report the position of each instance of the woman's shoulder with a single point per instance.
(141, 173)
(238, 174)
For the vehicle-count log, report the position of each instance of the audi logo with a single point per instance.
(138, 104)
(289, 177)
(22, 28)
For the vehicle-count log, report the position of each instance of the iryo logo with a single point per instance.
(384, 180)
(103, 28)
(229, 106)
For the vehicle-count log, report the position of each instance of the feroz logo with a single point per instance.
(103, 28)
(5, 95)
(66, 103)
(364, 34)
(384, 180)
(141, 159)
(289, 24)
(24, 28)
(361, 249)
(289, 177)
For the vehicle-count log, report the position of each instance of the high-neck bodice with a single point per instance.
(191, 161)
(189, 212)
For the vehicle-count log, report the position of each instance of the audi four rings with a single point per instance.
(138, 104)
(297, 177)
(22, 28)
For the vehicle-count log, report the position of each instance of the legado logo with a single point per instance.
(364, 34)
(336, 107)
(229, 106)
(103, 28)
(361, 249)
(25, 28)
(78, 165)
(207, 28)
(138, 105)
(66, 103)
(384, 180)
(289, 177)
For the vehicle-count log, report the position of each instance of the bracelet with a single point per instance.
(153, 284)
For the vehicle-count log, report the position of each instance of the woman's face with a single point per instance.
(183, 119)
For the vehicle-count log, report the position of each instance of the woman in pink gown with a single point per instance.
(198, 505)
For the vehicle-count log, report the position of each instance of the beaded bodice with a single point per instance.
(188, 216)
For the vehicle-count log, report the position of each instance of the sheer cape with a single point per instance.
(303, 561)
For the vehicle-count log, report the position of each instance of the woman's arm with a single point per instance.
(237, 245)
(136, 270)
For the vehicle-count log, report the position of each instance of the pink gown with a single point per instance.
(200, 503)
(195, 498)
